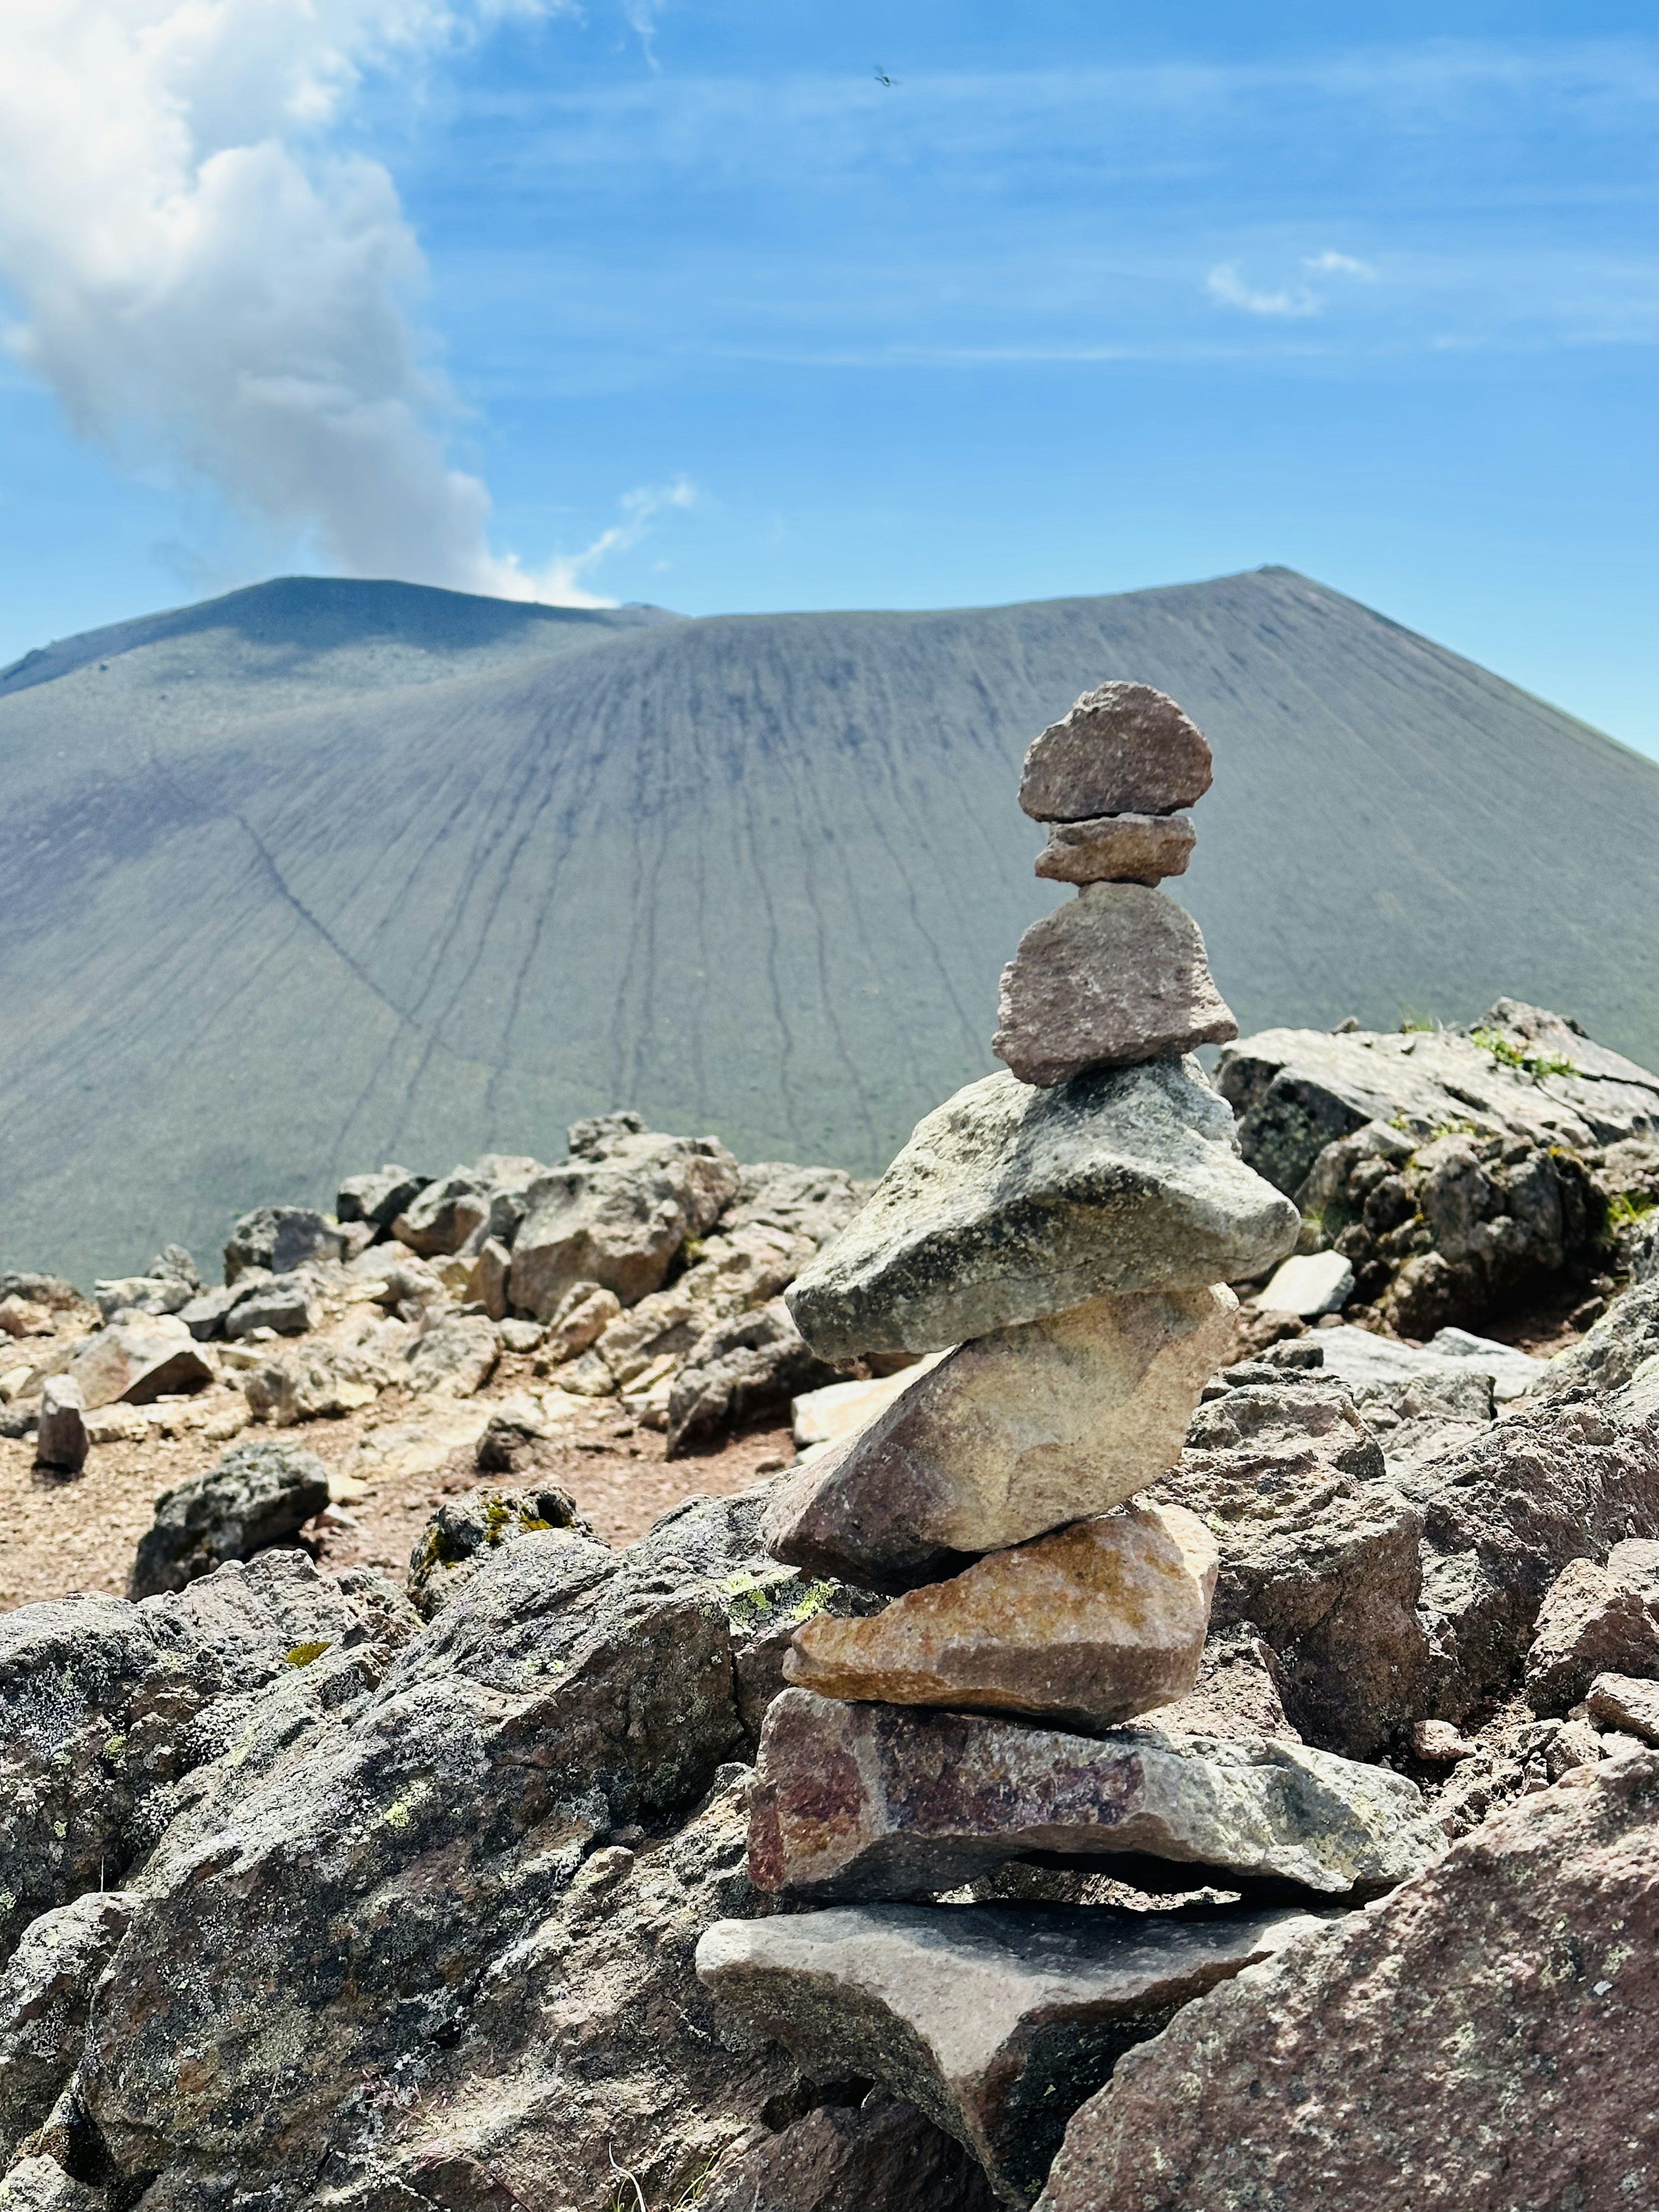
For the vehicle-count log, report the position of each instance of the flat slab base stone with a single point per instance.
(1083, 1629)
(1118, 848)
(1118, 974)
(1009, 1436)
(854, 1801)
(996, 2021)
(1009, 1203)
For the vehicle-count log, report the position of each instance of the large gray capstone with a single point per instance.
(1011, 1435)
(1009, 1203)
(865, 1802)
(996, 2021)
(1117, 974)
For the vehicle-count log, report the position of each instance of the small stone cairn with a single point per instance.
(1064, 1234)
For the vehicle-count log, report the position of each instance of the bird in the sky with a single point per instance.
(882, 77)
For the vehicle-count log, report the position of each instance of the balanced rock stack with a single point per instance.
(1065, 1234)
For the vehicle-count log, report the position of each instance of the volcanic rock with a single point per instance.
(616, 1211)
(1117, 976)
(1122, 748)
(1621, 1701)
(1009, 1203)
(1590, 1623)
(856, 1801)
(849, 2157)
(457, 1541)
(1117, 848)
(1010, 1436)
(138, 1361)
(994, 2021)
(1482, 2040)
(288, 1305)
(280, 1238)
(454, 1353)
(1308, 1284)
(1084, 1628)
(743, 1369)
(61, 1442)
(257, 1495)
(379, 1198)
(1318, 1553)
(46, 1995)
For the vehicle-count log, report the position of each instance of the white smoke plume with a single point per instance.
(203, 276)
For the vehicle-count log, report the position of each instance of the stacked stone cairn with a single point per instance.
(1064, 1234)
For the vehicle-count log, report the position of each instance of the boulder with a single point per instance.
(454, 1353)
(280, 1238)
(206, 1314)
(742, 1370)
(1084, 1628)
(85, 1773)
(617, 1212)
(1121, 749)
(581, 1317)
(457, 1541)
(1309, 1284)
(1381, 1370)
(138, 1362)
(1008, 1437)
(61, 1442)
(860, 1802)
(850, 2157)
(322, 1381)
(1627, 1703)
(486, 1282)
(1117, 976)
(257, 1495)
(23, 1317)
(994, 2022)
(379, 1199)
(39, 2183)
(1318, 1554)
(45, 1998)
(445, 1212)
(1009, 1204)
(288, 1305)
(1117, 848)
(1590, 1623)
(1483, 2040)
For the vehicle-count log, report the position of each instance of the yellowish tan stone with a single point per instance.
(1084, 1628)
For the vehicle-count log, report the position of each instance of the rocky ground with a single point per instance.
(327, 1884)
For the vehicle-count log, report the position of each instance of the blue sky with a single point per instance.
(1087, 298)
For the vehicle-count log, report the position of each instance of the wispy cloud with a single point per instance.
(1226, 283)
(559, 582)
(1339, 264)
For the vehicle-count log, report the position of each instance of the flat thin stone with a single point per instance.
(1009, 1203)
(1117, 976)
(1123, 748)
(1009, 1435)
(994, 2021)
(1083, 1629)
(1118, 848)
(852, 1802)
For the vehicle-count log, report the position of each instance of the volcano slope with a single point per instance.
(329, 871)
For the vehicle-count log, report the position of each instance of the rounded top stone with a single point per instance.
(1123, 748)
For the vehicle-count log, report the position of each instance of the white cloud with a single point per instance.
(558, 581)
(1226, 283)
(1339, 264)
(203, 277)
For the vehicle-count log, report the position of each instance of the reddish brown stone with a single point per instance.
(1123, 748)
(1116, 976)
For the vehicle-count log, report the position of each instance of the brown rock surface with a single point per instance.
(850, 2158)
(1115, 977)
(1622, 1701)
(1485, 2039)
(1118, 848)
(138, 1362)
(1011, 1435)
(61, 1442)
(1084, 1628)
(1590, 1623)
(995, 2021)
(855, 1801)
(1124, 748)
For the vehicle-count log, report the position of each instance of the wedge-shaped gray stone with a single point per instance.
(1010, 1203)
(1117, 848)
(1011, 1435)
(1117, 975)
(1123, 748)
(996, 2021)
(865, 1802)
